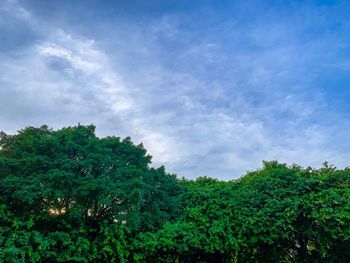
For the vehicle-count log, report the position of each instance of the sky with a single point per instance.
(211, 88)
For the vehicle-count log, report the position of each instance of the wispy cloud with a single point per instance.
(205, 100)
(13, 8)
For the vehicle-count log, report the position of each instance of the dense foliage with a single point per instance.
(69, 196)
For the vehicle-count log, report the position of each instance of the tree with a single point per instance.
(278, 213)
(77, 185)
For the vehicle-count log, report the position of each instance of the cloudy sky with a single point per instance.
(209, 87)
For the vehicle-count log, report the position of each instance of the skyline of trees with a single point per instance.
(68, 196)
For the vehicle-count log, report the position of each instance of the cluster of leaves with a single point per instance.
(69, 196)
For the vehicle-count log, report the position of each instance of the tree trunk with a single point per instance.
(303, 254)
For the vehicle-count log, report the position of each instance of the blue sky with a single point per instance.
(210, 87)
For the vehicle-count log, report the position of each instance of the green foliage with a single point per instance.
(279, 213)
(69, 196)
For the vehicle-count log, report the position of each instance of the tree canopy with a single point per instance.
(69, 196)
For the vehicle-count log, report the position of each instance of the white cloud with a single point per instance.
(76, 61)
(14, 9)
